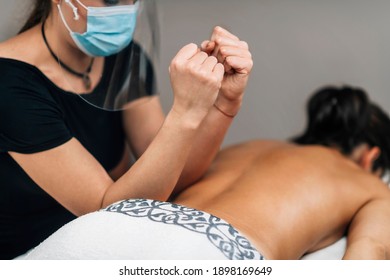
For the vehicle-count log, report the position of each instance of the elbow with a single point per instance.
(160, 194)
(104, 201)
(87, 207)
(367, 248)
(380, 250)
(92, 207)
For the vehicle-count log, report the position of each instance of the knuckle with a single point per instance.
(218, 40)
(217, 30)
(216, 80)
(217, 83)
(250, 64)
(229, 59)
(219, 68)
(223, 50)
(203, 74)
(172, 68)
(203, 54)
(190, 65)
(212, 59)
(244, 44)
(208, 78)
(192, 45)
(193, 70)
(175, 64)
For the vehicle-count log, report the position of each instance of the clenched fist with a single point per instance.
(196, 79)
(234, 54)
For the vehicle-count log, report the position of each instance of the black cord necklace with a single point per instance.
(84, 76)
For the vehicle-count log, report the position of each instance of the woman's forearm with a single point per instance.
(207, 143)
(157, 171)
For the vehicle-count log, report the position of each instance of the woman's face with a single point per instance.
(80, 25)
(78, 7)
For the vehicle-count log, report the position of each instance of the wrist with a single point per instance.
(228, 107)
(185, 119)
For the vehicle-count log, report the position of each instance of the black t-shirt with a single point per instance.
(36, 115)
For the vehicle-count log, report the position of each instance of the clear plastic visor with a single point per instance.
(113, 53)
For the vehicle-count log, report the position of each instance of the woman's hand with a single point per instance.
(236, 58)
(196, 80)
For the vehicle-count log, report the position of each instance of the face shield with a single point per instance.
(119, 46)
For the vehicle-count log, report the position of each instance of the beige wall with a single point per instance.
(297, 45)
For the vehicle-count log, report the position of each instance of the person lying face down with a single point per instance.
(290, 199)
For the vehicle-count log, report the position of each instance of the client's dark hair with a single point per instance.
(344, 117)
(39, 14)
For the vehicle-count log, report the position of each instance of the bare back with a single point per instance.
(288, 200)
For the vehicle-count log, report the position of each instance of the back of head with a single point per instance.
(345, 118)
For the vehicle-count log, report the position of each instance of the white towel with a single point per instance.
(146, 230)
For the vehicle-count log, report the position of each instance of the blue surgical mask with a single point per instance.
(109, 29)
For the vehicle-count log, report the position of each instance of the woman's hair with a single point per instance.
(40, 12)
(344, 117)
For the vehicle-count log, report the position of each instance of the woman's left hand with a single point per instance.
(234, 54)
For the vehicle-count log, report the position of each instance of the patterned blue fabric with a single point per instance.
(221, 234)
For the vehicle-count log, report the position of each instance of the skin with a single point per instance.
(191, 132)
(291, 200)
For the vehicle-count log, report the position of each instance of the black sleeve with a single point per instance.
(30, 120)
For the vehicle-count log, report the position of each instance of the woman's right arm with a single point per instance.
(72, 176)
(369, 232)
